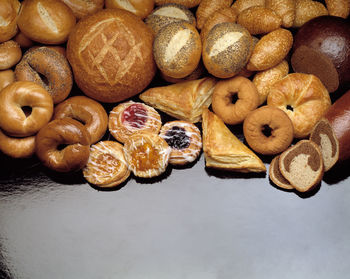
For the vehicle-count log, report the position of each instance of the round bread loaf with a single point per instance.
(177, 49)
(169, 13)
(8, 19)
(111, 55)
(226, 49)
(321, 47)
(46, 22)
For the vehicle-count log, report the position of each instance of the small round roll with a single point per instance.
(82, 8)
(8, 19)
(25, 107)
(6, 77)
(48, 68)
(10, 54)
(140, 8)
(63, 145)
(177, 49)
(87, 111)
(46, 21)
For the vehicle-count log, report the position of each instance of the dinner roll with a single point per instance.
(8, 19)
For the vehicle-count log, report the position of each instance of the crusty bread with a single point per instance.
(137, 7)
(324, 136)
(302, 165)
(111, 55)
(8, 19)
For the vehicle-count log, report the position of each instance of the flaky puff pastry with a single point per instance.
(184, 100)
(184, 139)
(223, 150)
(130, 117)
(106, 166)
(147, 154)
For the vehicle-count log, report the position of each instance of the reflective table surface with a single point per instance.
(190, 223)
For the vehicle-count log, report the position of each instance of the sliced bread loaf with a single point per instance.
(276, 176)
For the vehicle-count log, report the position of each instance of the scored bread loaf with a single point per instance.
(302, 165)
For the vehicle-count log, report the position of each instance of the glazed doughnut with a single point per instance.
(223, 96)
(18, 98)
(6, 77)
(10, 54)
(184, 139)
(83, 8)
(63, 145)
(17, 147)
(86, 110)
(130, 117)
(146, 154)
(268, 130)
(8, 19)
(48, 68)
(106, 166)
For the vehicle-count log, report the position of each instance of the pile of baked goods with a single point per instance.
(116, 88)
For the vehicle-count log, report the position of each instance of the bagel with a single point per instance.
(10, 54)
(48, 68)
(15, 99)
(63, 145)
(223, 99)
(86, 110)
(268, 130)
(6, 77)
(17, 147)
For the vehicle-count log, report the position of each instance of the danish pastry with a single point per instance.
(184, 139)
(130, 117)
(106, 166)
(146, 154)
(223, 150)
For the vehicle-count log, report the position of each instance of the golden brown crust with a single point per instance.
(46, 22)
(339, 8)
(17, 147)
(186, 3)
(184, 139)
(10, 54)
(21, 94)
(141, 8)
(285, 9)
(23, 40)
(47, 68)
(146, 154)
(6, 77)
(8, 19)
(111, 55)
(303, 97)
(270, 50)
(65, 132)
(306, 10)
(184, 100)
(241, 5)
(86, 110)
(223, 150)
(106, 166)
(226, 49)
(207, 7)
(268, 130)
(177, 49)
(81, 8)
(130, 117)
(247, 99)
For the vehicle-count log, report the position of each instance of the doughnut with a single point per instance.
(17, 147)
(25, 107)
(10, 54)
(106, 166)
(184, 139)
(87, 111)
(223, 102)
(63, 145)
(6, 77)
(268, 130)
(146, 154)
(130, 117)
(48, 68)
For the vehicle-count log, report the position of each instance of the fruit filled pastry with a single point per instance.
(224, 150)
(184, 139)
(106, 166)
(146, 154)
(184, 100)
(130, 117)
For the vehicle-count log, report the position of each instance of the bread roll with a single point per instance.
(8, 19)
(186, 3)
(6, 77)
(339, 8)
(111, 55)
(241, 5)
(83, 8)
(140, 8)
(10, 54)
(306, 10)
(46, 22)
(285, 9)
(177, 49)
(207, 7)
